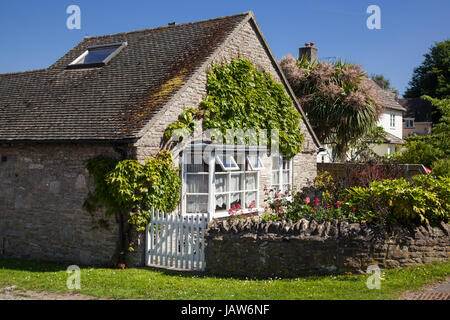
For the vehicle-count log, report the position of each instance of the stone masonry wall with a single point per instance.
(42, 190)
(245, 43)
(258, 249)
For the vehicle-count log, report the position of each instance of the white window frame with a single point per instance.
(392, 120)
(409, 123)
(212, 187)
(259, 166)
(219, 159)
(281, 184)
(76, 63)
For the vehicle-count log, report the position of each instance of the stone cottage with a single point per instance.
(114, 96)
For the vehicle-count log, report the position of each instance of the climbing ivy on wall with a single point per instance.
(241, 97)
(130, 188)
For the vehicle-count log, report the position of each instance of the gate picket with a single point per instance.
(174, 241)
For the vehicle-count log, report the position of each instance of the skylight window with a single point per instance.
(97, 56)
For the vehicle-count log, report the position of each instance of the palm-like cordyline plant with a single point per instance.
(341, 102)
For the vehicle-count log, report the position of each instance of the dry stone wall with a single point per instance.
(265, 249)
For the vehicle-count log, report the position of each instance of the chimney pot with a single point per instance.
(309, 51)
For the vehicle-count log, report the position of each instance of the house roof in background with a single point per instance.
(113, 102)
(417, 108)
(388, 98)
(390, 138)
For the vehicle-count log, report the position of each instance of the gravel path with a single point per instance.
(12, 293)
(439, 291)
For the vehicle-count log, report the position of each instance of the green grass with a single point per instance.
(156, 284)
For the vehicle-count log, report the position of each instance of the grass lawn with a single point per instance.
(157, 284)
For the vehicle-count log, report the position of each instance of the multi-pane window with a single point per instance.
(234, 182)
(392, 120)
(281, 174)
(409, 123)
(196, 185)
(238, 187)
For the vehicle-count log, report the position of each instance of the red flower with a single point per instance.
(314, 208)
(338, 204)
(345, 199)
(353, 209)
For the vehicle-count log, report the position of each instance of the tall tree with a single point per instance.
(340, 101)
(432, 77)
(381, 81)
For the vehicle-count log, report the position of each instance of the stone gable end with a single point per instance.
(244, 42)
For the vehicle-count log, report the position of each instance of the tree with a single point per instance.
(433, 150)
(340, 101)
(381, 81)
(432, 77)
(364, 146)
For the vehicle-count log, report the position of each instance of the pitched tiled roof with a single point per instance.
(112, 102)
(390, 138)
(418, 109)
(388, 98)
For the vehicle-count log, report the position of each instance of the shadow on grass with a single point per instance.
(48, 266)
(33, 265)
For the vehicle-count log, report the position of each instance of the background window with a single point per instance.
(409, 123)
(392, 120)
(281, 174)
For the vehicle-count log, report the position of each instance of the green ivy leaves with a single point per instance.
(131, 187)
(242, 97)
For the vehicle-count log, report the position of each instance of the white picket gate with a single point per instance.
(176, 242)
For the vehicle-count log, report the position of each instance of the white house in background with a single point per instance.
(418, 118)
(391, 120)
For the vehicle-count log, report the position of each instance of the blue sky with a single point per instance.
(34, 33)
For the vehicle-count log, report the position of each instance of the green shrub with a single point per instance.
(422, 201)
(441, 167)
(418, 152)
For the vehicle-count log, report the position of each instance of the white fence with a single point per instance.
(177, 242)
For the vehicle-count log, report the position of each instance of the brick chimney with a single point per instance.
(309, 51)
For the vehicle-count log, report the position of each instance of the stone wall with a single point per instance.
(42, 190)
(259, 249)
(243, 42)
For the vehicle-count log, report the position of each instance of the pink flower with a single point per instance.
(307, 200)
(278, 195)
(239, 206)
(353, 209)
(345, 199)
(314, 208)
(338, 204)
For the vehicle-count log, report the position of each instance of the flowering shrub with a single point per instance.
(237, 213)
(422, 201)
(301, 207)
(341, 102)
